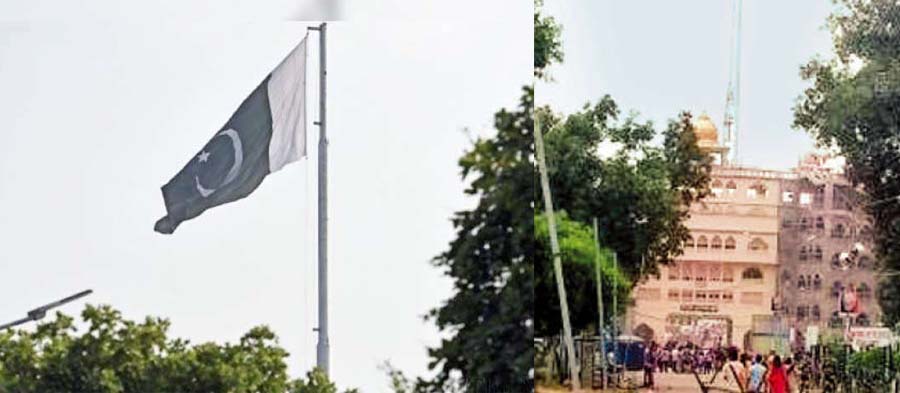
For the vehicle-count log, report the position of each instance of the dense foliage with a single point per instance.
(853, 105)
(617, 172)
(579, 255)
(116, 355)
(639, 191)
(490, 315)
(547, 45)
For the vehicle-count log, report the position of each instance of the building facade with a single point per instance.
(825, 251)
(771, 253)
(727, 276)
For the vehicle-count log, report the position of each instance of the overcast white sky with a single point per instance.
(103, 103)
(661, 57)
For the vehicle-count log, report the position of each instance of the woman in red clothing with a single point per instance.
(777, 377)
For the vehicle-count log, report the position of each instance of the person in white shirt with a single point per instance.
(735, 376)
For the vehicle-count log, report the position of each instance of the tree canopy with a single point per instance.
(490, 315)
(547, 44)
(112, 354)
(617, 172)
(853, 105)
(580, 255)
(638, 191)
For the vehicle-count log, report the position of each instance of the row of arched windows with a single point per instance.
(814, 313)
(809, 282)
(862, 290)
(813, 252)
(717, 243)
(838, 229)
(804, 311)
(710, 272)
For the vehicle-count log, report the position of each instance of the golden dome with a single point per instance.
(705, 130)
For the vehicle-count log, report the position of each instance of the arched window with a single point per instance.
(716, 243)
(702, 242)
(838, 230)
(802, 255)
(801, 312)
(836, 261)
(731, 187)
(752, 274)
(727, 274)
(686, 272)
(816, 313)
(817, 282)
(729, 243)
(787, 222)
(820, 222)
(804, 223)
(819, 196)
(817, 253)
(716, 188)
(758, 244)
(836, 289)
(801, 283)
(689, 243)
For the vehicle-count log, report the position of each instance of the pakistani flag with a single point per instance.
(266, 132)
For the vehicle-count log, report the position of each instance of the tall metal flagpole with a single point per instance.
(322, 346)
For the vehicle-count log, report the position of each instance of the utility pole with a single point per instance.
(615, 306)
(597, 269)
(557, 263)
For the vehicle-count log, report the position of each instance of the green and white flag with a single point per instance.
(266, 132)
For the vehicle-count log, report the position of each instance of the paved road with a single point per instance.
(674, 383)
(665, 383)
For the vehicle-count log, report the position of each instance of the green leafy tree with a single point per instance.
(579, 255)
(490, 315)
(853, 105)
(638, 191)
(118, 355)
(547, 45)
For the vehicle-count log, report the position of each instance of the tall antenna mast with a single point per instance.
(733, 96)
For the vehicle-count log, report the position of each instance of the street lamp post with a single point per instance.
(40, 312)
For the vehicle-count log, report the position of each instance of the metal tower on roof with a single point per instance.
(733, 95)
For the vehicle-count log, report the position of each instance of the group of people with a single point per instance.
(771, 374)
(754, 372)
(684, 358)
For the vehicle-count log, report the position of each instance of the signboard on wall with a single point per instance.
(699, 307)
(861, 337)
